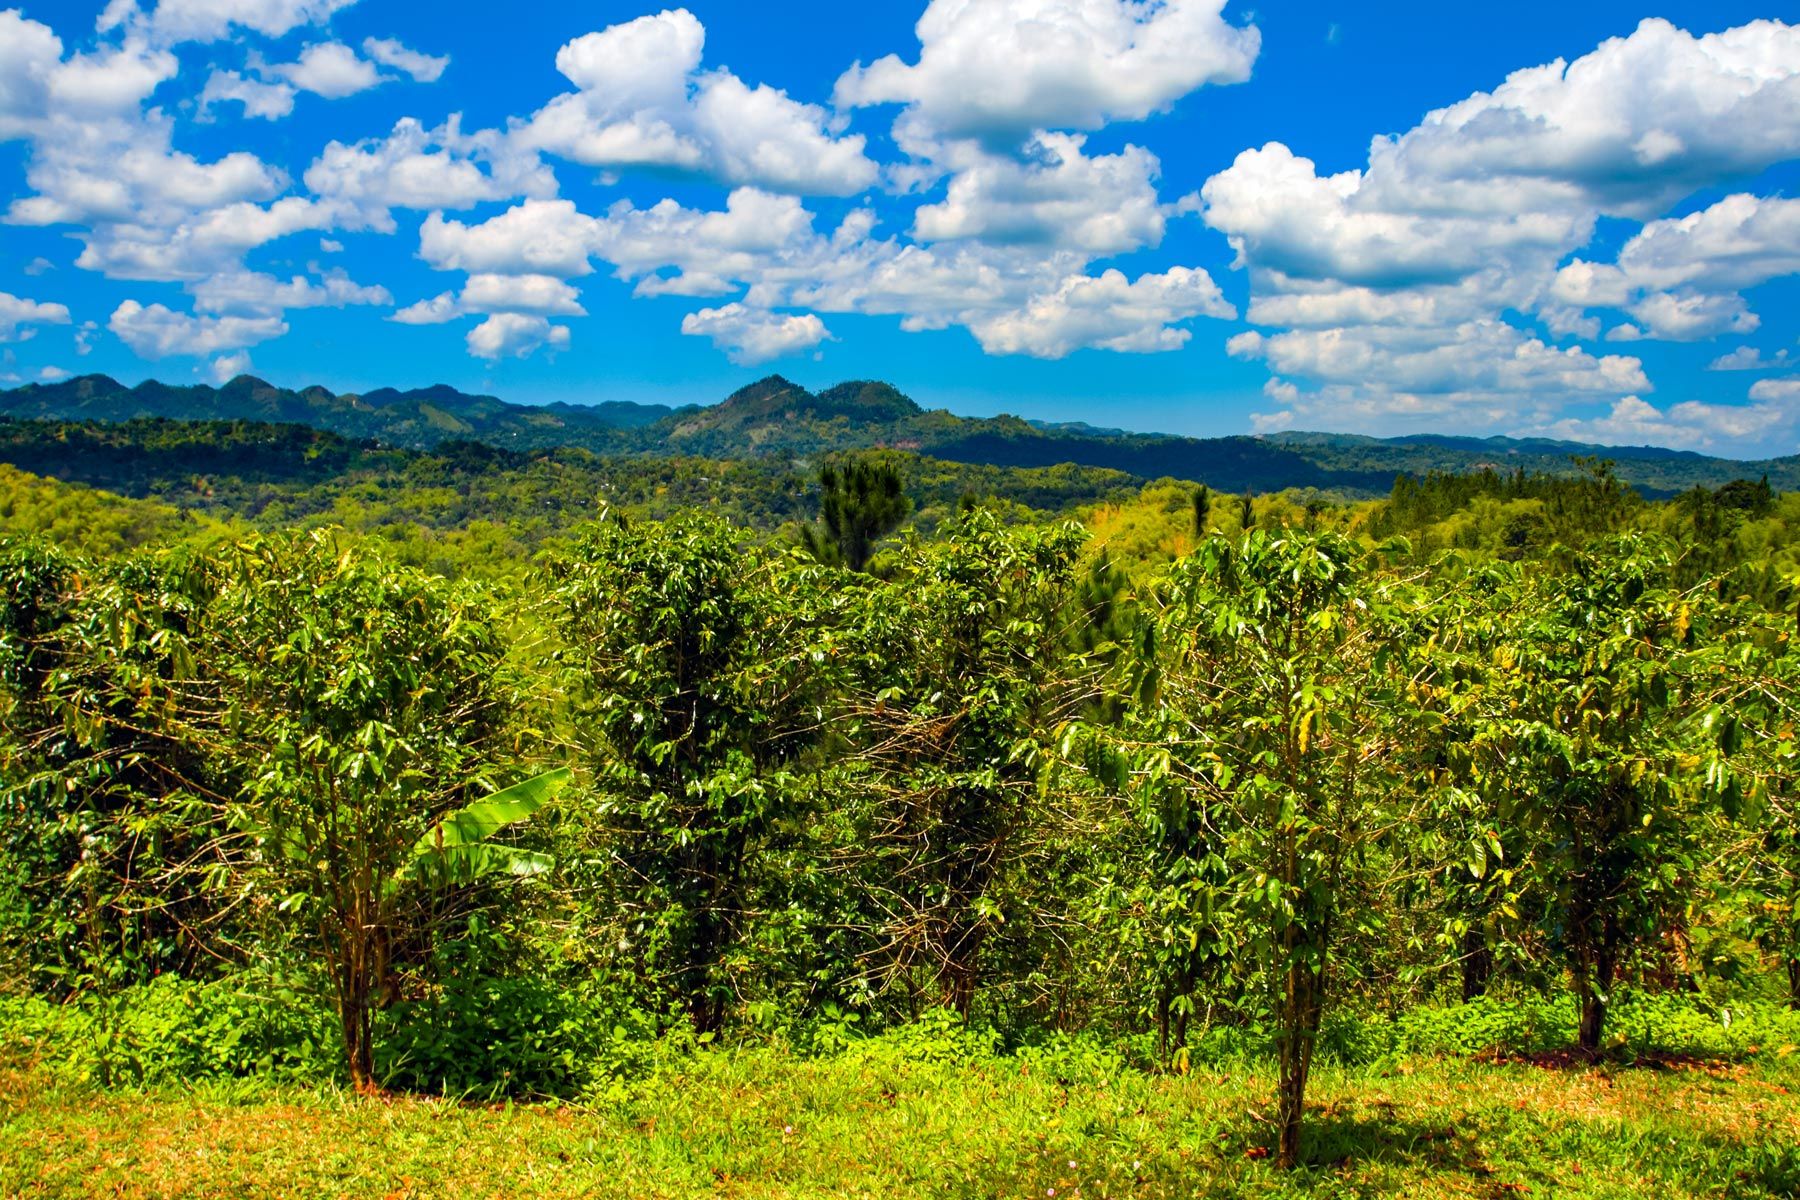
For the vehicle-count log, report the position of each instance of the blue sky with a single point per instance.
(1563, 219)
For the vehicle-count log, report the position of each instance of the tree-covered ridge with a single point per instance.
(277, 473)
(775, 417)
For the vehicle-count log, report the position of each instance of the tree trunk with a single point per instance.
(1301, 1008)
(1477, 964)
(1594, 986)
(1793, 966)
(359, 1045)
(961, 966)
(358, 968)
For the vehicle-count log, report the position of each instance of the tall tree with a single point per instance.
(106, 770)
(1272, 748)
(363, 704)
(962, 677)
(695, 664)
(1589, 743)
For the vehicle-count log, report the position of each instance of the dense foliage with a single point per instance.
(1201, 771)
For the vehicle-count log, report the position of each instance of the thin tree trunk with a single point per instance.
(1594, 981)
(1477, 964)
(1301, 1010)
(1793, 973)
(355, 976)
(962, 967)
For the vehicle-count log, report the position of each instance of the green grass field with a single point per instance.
(761, 1123)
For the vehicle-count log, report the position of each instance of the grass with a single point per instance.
(762, 1123)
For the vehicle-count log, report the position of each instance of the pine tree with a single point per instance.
(1202, 509)
(863, 502)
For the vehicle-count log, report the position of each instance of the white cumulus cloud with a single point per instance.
(17, 315)
(419, 168)
(750, 335)
(170, 21)
(329, 69)
(515, 335)
(1400, 289)
(155, 331)
(1106, 204)
(269, 101)
(1748, 358)
(1000, 69)
(228, 367)
(1109, 312)
(255, 294)
(389, 52)
(642, 100)
(1683, 278)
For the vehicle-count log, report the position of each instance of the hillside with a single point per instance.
(418, 418)
(280, 474)
(777, 418)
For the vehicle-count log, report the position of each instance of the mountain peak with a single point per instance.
(867, 400)
(768, 388)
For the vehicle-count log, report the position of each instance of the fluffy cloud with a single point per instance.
(1056, 196)
(269, 101)
(211, 242)
(1626, 129)
(538, 237)
(420, 168)
(1108, 312)
(544, 295)
(1000, 69)
(440, 309)
(329, 69)
(424, 68)
(749, 335)
(709, 252)
(158, 332)
(1394, 288)
(171, 21)
(1682, 278)
(1281, 216)
(250, 293)
(1482, 373)
(758, 237)
(643, 101)
(1688, 316)
(1772, 422)
(1748, 358)
(228, 367)
(97, 159)
(29, 55)
(764, 250)
(1778, 390)
(515, 335)
(17, 315)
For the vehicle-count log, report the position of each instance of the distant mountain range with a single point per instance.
(776, 417)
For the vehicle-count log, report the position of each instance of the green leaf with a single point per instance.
(456, 845)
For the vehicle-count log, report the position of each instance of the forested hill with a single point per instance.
(418, 419)
(777, 418)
